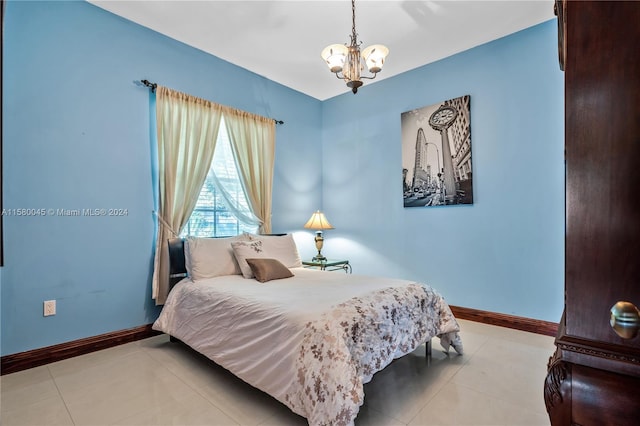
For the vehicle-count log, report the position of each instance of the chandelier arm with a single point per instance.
(369, 78)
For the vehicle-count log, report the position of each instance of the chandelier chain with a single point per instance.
(353, 23)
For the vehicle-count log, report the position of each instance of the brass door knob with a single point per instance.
(625, 319)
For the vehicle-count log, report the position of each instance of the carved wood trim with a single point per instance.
(34, 358)
(557, 373)
(558, 390)
(503, 320)
(597, 354)
(600, 353)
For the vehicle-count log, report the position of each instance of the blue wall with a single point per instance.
(505, 253)
(77, 134)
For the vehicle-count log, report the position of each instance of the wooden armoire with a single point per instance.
(594, 375)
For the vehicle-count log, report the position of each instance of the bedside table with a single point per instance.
(328, 265)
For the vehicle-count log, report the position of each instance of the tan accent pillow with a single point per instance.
(268, 269)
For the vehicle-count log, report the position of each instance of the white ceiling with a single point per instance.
(282, 40)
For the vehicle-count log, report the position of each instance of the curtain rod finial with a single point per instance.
(149, 84)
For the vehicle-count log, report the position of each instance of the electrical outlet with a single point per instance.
(49, 307)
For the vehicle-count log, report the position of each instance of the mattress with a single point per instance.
(311, 341)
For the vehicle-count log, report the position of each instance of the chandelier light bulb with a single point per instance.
(374, 57)
(334, 56)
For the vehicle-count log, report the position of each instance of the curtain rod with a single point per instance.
(153, 87)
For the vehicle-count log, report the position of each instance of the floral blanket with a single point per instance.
(342, 350)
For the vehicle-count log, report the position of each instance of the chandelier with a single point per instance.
(346, 59)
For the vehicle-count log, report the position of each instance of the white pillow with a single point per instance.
(282, 248)
(244, 250)
(211, 257)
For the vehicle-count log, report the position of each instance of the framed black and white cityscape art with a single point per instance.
(436, 154)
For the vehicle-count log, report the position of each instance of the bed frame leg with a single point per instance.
(428, 352)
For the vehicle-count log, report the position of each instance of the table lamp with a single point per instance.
(318, 222)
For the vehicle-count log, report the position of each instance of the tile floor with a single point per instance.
(498, 381)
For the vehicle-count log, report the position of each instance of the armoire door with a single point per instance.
(595, 373)
(602, 128)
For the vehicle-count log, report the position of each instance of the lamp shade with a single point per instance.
(334, 55)
(318, 221)
(374, 57)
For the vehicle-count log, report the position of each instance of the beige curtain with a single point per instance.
(187, 132)
(252, 139)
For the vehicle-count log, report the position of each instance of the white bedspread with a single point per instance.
(310, 341)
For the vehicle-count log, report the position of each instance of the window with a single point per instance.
(222, 209)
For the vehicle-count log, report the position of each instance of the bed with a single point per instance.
(309, 338)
